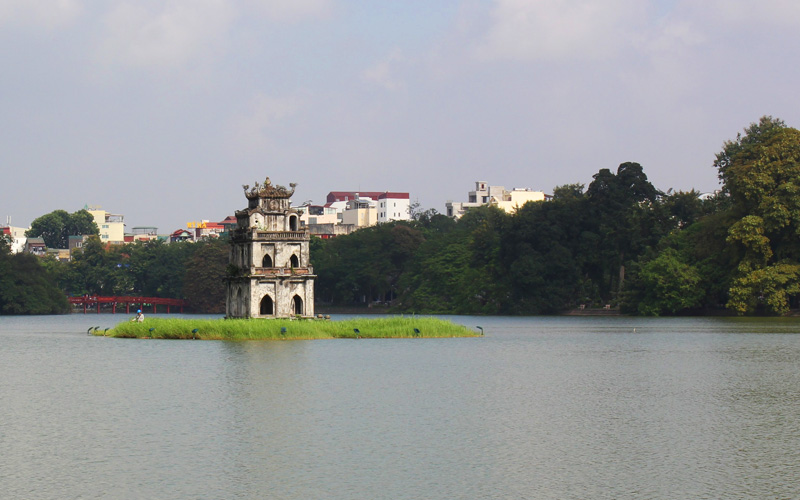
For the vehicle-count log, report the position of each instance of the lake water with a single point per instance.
(538, 408)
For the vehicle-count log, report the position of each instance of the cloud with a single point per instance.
(40, 13)
(254, 129)
(290, 10)
(382, 74)
(763, 12)
(164, 35)
(561, 29)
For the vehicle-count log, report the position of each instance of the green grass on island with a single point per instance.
(286, 329)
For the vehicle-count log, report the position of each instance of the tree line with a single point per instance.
(191, 271)
(619, 242)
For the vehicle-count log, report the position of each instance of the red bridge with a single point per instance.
(94, 301)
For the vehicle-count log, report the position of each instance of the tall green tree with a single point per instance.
(538, 256)
(622, 222)
(745, 147)
(761, 173)
(56, 227)
(568, 191)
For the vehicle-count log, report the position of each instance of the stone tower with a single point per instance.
(270, 275)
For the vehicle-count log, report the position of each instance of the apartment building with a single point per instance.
(111, 226)
(16, 236)
(484, 194)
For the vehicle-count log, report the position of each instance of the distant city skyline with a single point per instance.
(160, 111)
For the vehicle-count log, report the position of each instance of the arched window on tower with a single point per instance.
(294, 262)
(266, 306)
(266, 261)
(298, 305)
(293, 223)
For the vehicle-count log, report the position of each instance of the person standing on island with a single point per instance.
(139, 316)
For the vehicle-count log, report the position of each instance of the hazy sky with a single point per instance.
(161, 110)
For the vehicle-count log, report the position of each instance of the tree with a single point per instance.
(90, 270)
(27, 288)
(665, 285)
(538, 256)
(56, 227)
(366, 265)
(762, 175)
(568, 191)
(5, 244)
(745, 146)
(455, 269)
(684, 207)
(622, 221)
(204, 279)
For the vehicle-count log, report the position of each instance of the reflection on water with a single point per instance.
(538, 408)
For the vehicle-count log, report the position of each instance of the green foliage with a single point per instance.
(456, 269)
(27, 288)
(623, 219)
(442, 280)
(5, 244)
(364, 266)
(761, 172)
(545, 258)
(90, 271)
(56, 227)
(684, 207)
(204, 279)
(770, 287)
(568, 191)
(744, 147)
(151, 269)
(665, 285)
(539, 256)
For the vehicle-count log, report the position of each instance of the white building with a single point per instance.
(17, 237)
(360, 212)
(512, 200)
(366, 209)
(318, 214)
(393, 206)
(111, 226)
(498, 196)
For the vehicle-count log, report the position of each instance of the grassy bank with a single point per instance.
(285, 329)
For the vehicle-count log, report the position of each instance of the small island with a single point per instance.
(288, 329)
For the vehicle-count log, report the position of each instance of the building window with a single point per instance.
(266, 306)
